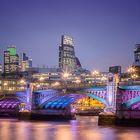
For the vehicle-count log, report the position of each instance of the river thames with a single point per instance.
(84, 128)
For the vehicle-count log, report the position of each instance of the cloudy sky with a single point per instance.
(104, 31)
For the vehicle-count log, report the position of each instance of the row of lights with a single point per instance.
(132, 72)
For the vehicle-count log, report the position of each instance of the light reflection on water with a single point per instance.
(84, 128)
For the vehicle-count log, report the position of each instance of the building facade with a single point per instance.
(67, 59)
(25, 62)
(11, 60)
(137, 55)
(115, 69)
(0, 69)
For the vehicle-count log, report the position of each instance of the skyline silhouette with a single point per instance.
(104, 32)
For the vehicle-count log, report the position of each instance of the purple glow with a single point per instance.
(9, 103)
(100, 93)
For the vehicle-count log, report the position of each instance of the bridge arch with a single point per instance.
(61, 102)
(7, 104)
(131, 102)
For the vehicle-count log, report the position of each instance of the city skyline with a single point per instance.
(105, 33)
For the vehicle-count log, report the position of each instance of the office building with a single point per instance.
(25, 62)
(11, 60)
(67, 59)
(137, 55)
(115, 69)
(0, 68)
(136, 63)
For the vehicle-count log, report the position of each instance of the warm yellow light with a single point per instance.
(78, 81)
(86, 102)
(5, 84)
(56, 83)
(95, 72)
(79, 102)
(134, 76)
(103, 78)
(22, 81)
(38, 86)
(65, 75)
(10, 89)
(131, 70)
(41, 78)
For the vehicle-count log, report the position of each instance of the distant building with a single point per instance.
(25, 62)
(0, 68)
(136, 63)
(30, 63)
(137, 55)
(115, 69)
(48, 73)
(11, 60)
(78, 64)
(67, 59)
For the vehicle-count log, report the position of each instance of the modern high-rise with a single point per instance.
(0, 68)
(25, 62)
(67, 59)
(11, 60)
(137, 55)
(136, 63)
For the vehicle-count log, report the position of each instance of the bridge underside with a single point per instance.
(9, 106)
(64, 101)
(61, 102)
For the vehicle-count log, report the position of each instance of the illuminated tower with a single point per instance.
(67, 59)
(11, 60)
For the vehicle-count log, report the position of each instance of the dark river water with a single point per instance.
(84, 128)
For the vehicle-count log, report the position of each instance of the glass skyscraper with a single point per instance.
(67, 59)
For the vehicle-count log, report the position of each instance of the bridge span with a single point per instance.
(127, 100)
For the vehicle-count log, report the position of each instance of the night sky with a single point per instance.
(104, 31)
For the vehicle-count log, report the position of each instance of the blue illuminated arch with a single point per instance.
(61, 102)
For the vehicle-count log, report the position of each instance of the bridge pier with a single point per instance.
(108, 117)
